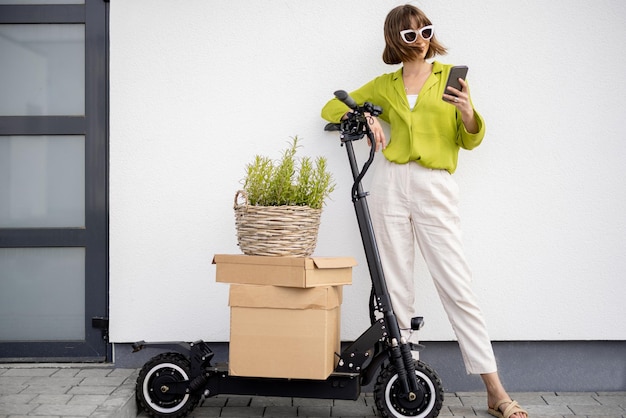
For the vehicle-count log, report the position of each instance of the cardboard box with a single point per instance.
(284, 271)
(284, 332)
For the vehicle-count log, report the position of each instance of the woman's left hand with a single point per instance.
(461, 100)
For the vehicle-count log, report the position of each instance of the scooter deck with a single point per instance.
(336, 386)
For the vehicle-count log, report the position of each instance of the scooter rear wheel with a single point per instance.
(392, 403)
(152, 391)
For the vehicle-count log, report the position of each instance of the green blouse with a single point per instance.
(431, 133)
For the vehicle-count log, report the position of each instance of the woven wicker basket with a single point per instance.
(279, 231)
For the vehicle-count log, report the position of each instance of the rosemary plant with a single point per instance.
(288, 181)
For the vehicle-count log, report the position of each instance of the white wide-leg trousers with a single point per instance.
(411, 204)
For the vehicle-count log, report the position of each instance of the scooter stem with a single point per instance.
(400, 350)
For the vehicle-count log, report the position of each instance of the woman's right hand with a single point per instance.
(377, 131)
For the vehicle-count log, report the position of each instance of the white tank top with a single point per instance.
(412, 100)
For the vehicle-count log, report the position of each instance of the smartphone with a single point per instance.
(456, 72)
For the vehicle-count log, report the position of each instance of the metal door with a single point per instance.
(53, 180)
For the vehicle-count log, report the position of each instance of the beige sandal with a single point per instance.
(512, 408)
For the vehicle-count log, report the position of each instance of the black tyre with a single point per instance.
(152, 387)
(391, 402)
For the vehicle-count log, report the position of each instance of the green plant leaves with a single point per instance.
(288, 181)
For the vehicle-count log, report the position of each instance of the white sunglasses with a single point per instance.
(410, 35)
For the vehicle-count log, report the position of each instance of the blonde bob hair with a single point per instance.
(401, 18)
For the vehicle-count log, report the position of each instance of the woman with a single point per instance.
(413, 197)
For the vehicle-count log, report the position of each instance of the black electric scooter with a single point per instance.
(173, 383)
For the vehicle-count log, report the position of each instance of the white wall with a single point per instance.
(199, 87)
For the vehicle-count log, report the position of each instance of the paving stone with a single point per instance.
(215, 401)
(522, 398)
(473, 401)
(60, 381)
(54, 416)
(242, 411)
(42, 416)
(71, 410)
(16, 398)
(522, 394)
(271, 401)
(51, 399)
(312, 402)
(88, 400)
(525, 399)
(94, 373)
(348, 403)
(601, 416)
(612, 400)
(482, 412)
(371, 402)
(238, 401)
(314, 411)
(466, 411)
(205, 412)
(445, 411)
(597, 410)
(16, 409)
(102, 381)
(29, 372)
(103, 414)
(466, 394)
(13, 380)
(127, 410)
(124, 388)
(114, 401)
(549, 416)
(127, 373)
(65, 373)
(549, 410)
(46, 389)
(111, 410)
(91, 390)
(452, 401)
(281, 411)
(571, 399)
(356, 409)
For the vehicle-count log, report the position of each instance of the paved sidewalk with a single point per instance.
(102, 391)
(67, 390)
(461, 404)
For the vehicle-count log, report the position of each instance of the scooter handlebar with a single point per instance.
(345, 98)
(331, 127)
(353, 128)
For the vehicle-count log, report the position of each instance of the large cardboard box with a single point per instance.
(284, 271)
(284, 332)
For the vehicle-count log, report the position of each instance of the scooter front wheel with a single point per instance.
(152, 389)
(393, 403)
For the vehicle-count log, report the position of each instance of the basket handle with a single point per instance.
(243, 195)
